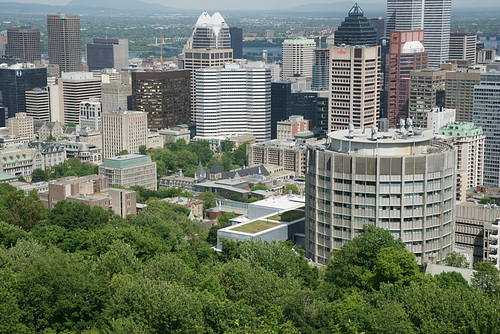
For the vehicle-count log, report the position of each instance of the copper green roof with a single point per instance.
(128, 160)
(461, 129)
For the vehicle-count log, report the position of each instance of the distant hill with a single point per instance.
(342, 7)
(87, 6)
(134, 5)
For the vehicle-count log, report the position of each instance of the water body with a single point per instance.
(492, 43)
(272, 51)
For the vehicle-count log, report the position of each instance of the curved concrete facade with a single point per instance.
(400, 181)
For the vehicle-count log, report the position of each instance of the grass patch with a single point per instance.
(288, 216)
(256, 226)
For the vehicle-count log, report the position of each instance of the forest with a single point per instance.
(77, 269)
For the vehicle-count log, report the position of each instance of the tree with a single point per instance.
(486, 278)
(122, 152)
(487, 200)
(76, 215)
(23, 211)
(39, 175)
(22, 179)
(455, 259)
(292, 187)
(143, 149)
(353, 264)
(209, 199)
(259, 187)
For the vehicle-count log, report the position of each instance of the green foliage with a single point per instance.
(21, 179)
(487, 200)
(223, 222)
(292, 187)
(362, 264)
(486, 278)
(122, 152)
(76, 215)
(209, 199)
(144, 194)
(72, 167)
(143, 149)
(39, 175)
(238, 198)
(22, 211)
(85, 271)
(259, 187)
(455, 259)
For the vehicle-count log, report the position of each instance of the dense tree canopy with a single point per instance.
(77, 269)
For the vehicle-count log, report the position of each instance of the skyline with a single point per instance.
(220, 5)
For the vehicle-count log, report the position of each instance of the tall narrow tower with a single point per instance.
(433, 16)
(65, 47)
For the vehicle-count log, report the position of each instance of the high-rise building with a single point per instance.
(208, 47)
(15, 80)
(354, 87)
(406, 54)
(233, 100)
(426, 92)
(380, 25)
(356, 29)
(236, 42)
(107, 53)
(38, 104)
(164, 96)
(297, 58)
(116, 96)
(396, 180)
(312, 105)
(459, 91)
(24, 43)
(90, 114)
(211, 32)
(65, 47)
(433, 16)
(321, 68)
(210, 44)
(123, 130)
(75, 87)
(486, 111)
(281, 103)
(462, 45)
(469, 141)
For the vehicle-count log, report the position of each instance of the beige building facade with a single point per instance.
(354, 87)
(123, 130)
(130, 170)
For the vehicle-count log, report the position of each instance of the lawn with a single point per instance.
(288, 216)
(256, 226)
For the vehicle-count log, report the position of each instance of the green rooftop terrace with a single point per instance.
(255, 227)
(288, 216)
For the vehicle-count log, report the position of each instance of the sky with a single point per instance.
(262, 4)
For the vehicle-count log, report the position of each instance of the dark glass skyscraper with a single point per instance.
(236, 42)
(356, 29)
(281, 99)
(165, 96)
(14, 82)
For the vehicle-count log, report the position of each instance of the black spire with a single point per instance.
(356, 29)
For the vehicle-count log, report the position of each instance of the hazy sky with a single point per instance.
(261, 4)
